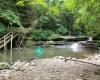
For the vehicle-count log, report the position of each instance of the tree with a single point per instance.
(87, 14)
(84, 15)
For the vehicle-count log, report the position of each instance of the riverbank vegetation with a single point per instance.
(49, 28)
(48, 18)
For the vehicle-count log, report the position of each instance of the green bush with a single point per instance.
(52, 22)
(40, 34)
(53, 36)
(2, 29)
(62, 30)
(11, 17)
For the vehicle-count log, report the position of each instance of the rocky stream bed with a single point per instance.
(56, 68)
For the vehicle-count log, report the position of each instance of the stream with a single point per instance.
(74, 49)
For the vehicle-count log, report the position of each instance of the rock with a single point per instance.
(19, 65)
(69, 58)
(16, 65)
(97, 57)
(25, 66)
(49, 42)
(97, 72)
(78, 79)
(32, 63)
(59, 57)
(4, 65)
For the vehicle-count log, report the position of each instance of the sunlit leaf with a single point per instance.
(70, 4)
(54, 9)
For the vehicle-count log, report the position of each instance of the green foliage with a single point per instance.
(8, 4)
(60, 16)
(62, 30)
(88, 15)
(54, 9)
(53, 36)
(40, 34)
(70, 4)
(2, 29)
(54, 22)
(10, 16)
(32, 2)
(52, 15)
(53, 6)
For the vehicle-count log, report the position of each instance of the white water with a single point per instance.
(90, 39)
(76, 47)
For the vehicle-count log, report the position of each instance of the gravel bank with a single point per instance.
(54, 69)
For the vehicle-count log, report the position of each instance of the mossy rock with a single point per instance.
(4, 65)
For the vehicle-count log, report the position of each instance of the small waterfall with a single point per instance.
(90, 39)
(76, 47)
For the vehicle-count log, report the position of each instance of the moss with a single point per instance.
(4, 65)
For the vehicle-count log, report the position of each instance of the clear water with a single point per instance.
(50, 51)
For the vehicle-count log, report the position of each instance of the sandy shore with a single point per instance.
(54, 69)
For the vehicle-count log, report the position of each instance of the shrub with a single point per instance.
(62, 30)
(40, 34)
(53, 36)
(11, 17)
(2, 29)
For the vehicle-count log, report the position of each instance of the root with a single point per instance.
(19, 42)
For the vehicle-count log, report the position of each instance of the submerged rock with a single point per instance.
(4, 65)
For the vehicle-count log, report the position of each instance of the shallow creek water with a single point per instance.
(50, 51)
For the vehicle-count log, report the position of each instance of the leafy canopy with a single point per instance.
(10, 16)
